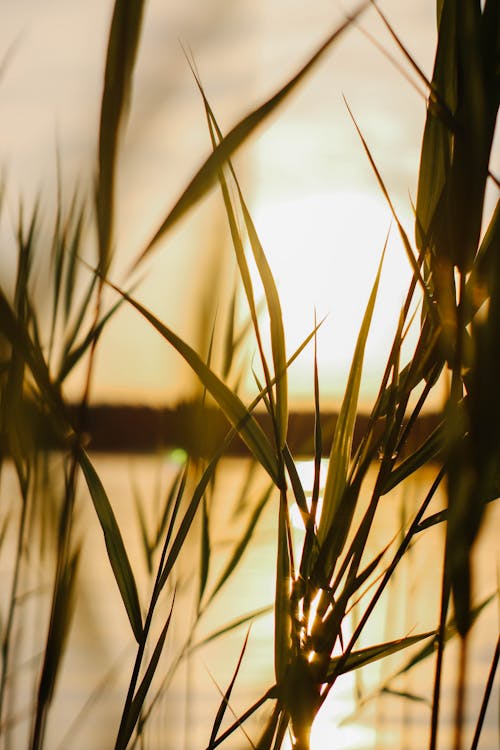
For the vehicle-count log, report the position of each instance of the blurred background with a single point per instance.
(312, 193)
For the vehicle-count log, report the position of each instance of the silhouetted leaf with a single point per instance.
(114, 544)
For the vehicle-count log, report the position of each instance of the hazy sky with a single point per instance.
(311, 189)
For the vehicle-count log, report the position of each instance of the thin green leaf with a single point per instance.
(486, 697)
(82, 310)
(230, 627)
(231, 405)
(405, 695)
(225, 698)
(129, 722)
(71, 358)
(114, 544)
(364, 656)
(429, 450)
(121, 54)
(276, 321)
(187, 520)
(176, 489)
(298, 490)
(216, 136)
(268, 695)
(208, 172)
(229, 347)
(143, 528)
(15, 332)
(402, 233)
(72, 255)
(59, 626)
(205, 550)
(282, 615)
(340, 454)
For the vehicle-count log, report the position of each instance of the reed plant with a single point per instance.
(326, 571)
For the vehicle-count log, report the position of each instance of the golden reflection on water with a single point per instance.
(100, 643)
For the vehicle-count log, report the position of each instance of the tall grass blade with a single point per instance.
(176, 489)
(298, 489)
(208, 172)
(404, 237)
(428, 451)
(120, 60)
(269, 694)
(15, 332)
(276, 321)
(282, 614)
(486, 697)
(73, 356)
(143, 528)
(130, 720)
(450, 631)
(114, 544)
(226, 697)
(231, 405)
(205, 550)
(216, 137)
(60, 621)
(187, 521)
(364, 656)
(229, 337)
(74, 244)
(230, 627)
(477, 284)
(340, 454)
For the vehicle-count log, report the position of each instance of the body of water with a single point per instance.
(99, 659)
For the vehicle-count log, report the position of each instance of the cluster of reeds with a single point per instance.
(455, 276)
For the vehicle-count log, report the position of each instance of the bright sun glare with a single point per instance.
(324, 249)
(332, 727)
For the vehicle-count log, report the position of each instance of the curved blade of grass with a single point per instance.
(485, 258)
(276, 322)
(230, 627)
(205, 550)
(310, 546)
(428, 451)
(486, 697)
(231, 405)
(130, 720)
(71, 358)
(216, 136)
(364, 656)
(187, 520)
(340, 454)
(114, 544)
(436, 145)
(83, 308)
(298, 490)
(449, 632)
(229, 339)
(427, 651)
(402, 233)
(208, 172)
(74, 244)
(225, 698)
(15, 332)
(268, 695)
(120, 60)
(147, 545)
(60, 621)
(282, 620)
(176, 490)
